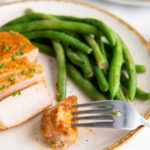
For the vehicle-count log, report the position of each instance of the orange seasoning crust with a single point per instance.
(56, 124)
(17, 46)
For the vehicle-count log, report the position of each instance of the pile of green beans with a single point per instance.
(103, 70)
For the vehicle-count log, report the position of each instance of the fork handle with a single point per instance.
(145, 122)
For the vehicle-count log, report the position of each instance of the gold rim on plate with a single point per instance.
(144, 41)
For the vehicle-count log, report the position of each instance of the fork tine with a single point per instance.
(99, 110)
(98, 103)
(94, 124)
(110, 117)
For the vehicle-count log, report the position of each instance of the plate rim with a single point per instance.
(131, 134)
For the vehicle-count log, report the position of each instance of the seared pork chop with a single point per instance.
(15, 67)
(18, 81)
(14, 46)
(56, 124)
(27, 103)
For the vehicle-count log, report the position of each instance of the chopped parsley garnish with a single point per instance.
(43, 128)
(22, 44)
(12, 32)
(2, 66)
(16, 93)
(24, 72)
(11, 79)
(13, 57)
(4, 86)
(6, 47)
(52, 144)
(20, 53)
(32, 72)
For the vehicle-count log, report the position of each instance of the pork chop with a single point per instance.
(18, 81)
(14, 46)
(27, 103)
(56, 124)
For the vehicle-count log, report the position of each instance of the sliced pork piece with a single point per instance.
(17, 66)
(56, 124)
(18, 81)
(27, 103)
(15, 46)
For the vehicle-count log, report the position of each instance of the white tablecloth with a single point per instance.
(139, 18)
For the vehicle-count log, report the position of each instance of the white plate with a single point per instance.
(27, 136)
(132, 2)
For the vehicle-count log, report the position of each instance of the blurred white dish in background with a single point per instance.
(132, 2)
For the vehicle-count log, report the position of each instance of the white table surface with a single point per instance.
(139, 18)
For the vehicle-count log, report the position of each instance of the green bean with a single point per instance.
(52, 24)
(120, 95)
(61, 70)
(131, 71)
(29, 11)
(44, 48)
(140, 68)
(100, 78)
(29, 17)
(55, 35)
(102, 48)
(99, 57)
(73, 57)
(84, 84)
(115, 70)
(86, 67)
(111, 36)
(142, 94)
(139, 92)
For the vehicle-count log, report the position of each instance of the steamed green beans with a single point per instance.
(140, 68)
(139, 92)
(100, 78)
(86, 67)
(44, 48)
(99, 57)
(55, 35)
(29, 17)
(61, 68)
(99, 24)
(73, 57)
(85, 84)
(115, 70)
(131, 71)
(53, 24)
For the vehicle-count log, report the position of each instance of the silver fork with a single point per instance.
(129, 118)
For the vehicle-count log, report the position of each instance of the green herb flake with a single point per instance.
(12, 32)
(4, 86)
(16, 93)
(22, 44)
(19, 92)
(13, 57)
(6, 47)
(11, 79)
(20, 53)
(32, 72)
(2, 66)
(52, 144)
(43, 128)
(24, 72)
